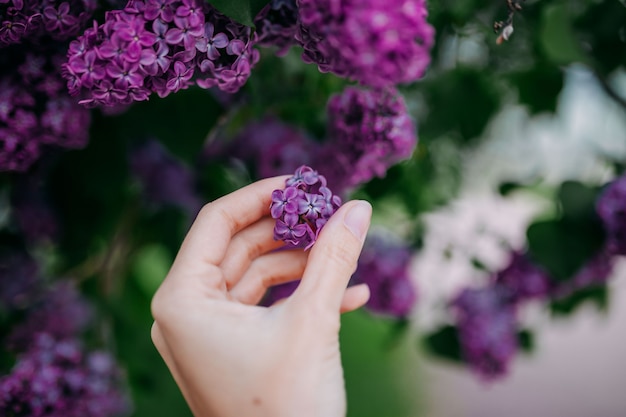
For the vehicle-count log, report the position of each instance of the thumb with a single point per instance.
(334, 256)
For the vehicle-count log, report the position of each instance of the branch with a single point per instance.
(610, 91)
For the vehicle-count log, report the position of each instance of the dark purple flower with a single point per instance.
(277, 25)
(611, 208)
(19, 279)
(384, 267)
(60, 378)
(487, 330)
(523, 280)
(368, 131)
(301, 228)
(279, 292)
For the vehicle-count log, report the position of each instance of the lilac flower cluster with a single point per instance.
(376, 42)
(165, 181)
(523, 280)
(278, 292)
(611, 207)
(30, 20)
(487, 330)
(302, 208)
(369, 130)
(34, 109)
(60, 313)
(269, 147)
(60, 379)
(159, 46)
(277, 25)
(384, 267)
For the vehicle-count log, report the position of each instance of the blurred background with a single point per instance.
(518, 150)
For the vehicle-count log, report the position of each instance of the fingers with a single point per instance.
(267, 271)
(246, 246)
(210, 235)
(355, 297)
(334, 256)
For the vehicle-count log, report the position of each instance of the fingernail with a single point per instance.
(358, 218)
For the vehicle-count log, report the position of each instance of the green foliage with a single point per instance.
(242, 11)
(596, 295)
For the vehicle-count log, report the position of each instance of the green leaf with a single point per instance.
(526, 340)
(557, 37)
(242, 11)
(445, 344)
(578, 201)
(598, 295)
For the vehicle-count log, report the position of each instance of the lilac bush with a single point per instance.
(522, 279)
(31, 20)
(302, 208)
(384, 267)
(368, 131)
(35, 110)
(59, 378)
(376, 42)
(158, 46)
(19, 279)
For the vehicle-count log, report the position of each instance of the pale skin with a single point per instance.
(232, 358)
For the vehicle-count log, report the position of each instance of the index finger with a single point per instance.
(211, 232)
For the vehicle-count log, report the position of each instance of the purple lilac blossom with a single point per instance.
(523, 280)
(611, 207)
(277, 25)
(35, 111)
(268, 147)
(60, 313)
(302, 208)
(31, 20)
(158, 46)
(368, 130)
(376, 42)
(487, 330)
(384, 267)
(19, 279)
(164, 180)
(59, 378)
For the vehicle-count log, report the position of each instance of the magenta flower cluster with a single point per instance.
(611, 208)
(158, 46)
(302, 208)
(35, 110)
(58, 378)
(375, 42)
(31, 20)
(368, 131)
(384, 266)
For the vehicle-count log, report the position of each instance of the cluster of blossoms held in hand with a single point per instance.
(58, 378)
(164, 180)
(368, 131)
(302, 208)
(384, 267)
(35, 110)
(30, 20)
(159, 46)
(376, 42)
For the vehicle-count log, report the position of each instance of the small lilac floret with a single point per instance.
(302, 208)
(611, 208)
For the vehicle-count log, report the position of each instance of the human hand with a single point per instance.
(232, 358)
